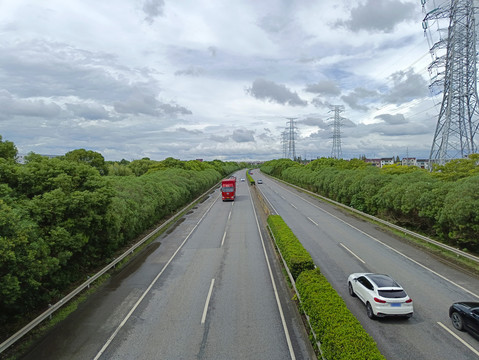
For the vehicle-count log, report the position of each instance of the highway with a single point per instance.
(341, 244)
(209, 288)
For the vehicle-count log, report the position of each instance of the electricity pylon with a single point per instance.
(291, 131)
(284, 143)
(337, 120)
(458, 119)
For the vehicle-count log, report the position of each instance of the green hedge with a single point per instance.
(295, 255)
(250, 178)
(339, 332)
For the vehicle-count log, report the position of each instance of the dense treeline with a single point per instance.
(443, 203)
(63, 217)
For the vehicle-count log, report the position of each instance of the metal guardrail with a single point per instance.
(27, 328)
(396, 227)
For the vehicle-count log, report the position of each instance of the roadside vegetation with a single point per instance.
(442, 204)
(63, 218)
(340, 334)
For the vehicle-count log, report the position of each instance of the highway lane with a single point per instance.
(341, 244)
(205, 293)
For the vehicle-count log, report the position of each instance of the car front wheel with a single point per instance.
(369, 311)
(457, 321)
(351, 291)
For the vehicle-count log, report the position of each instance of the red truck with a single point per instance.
(228, 189)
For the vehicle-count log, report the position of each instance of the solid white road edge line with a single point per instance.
(205, 310)
(272, 207)
(110, 339)
(458, 338)
(278, 302)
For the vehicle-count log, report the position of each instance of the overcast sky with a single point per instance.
(215, 79)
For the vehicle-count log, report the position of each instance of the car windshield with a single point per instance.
(383, 281)
(227, 189)
(392, 294)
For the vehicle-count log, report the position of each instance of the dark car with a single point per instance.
(465, 316)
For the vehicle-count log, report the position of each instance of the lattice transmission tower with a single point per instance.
(291, 132)
(284, 143)
(454, 70)
(337, 121)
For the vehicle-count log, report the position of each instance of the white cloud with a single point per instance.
(162, 78)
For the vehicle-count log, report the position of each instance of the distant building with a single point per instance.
(387, 161)
(374, 162)
(409, 161)
(423, 164)
(380, 162)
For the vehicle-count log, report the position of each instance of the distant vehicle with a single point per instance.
(260, 181)
(228, 189)
(242, 180)
(382, 295)
(465, 316)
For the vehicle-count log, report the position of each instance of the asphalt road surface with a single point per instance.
(341, 244)
(209, 289)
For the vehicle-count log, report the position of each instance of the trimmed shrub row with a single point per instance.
(296, 256)
(341, 335)
(249, 177)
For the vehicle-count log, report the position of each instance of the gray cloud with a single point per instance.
(55, 69)
(325, 88)
(407, 86)
(243, 135)
(213, 50)
(317, 102)
(174, 109)
(392, 119)
(191, 71)
(313, 121)
(274, 24)
(359, 98)
(12, 107)
(268, 90)
(88, 111)
(219, 139)
(347, 123)
(320, 134)
(378, 15)
(153, 9)
(138, 104)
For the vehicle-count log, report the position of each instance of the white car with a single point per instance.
(382, 295)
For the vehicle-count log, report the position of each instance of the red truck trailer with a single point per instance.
(228, 189)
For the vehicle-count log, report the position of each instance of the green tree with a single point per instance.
(89, 157)
(8, 150)
(457, 168)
